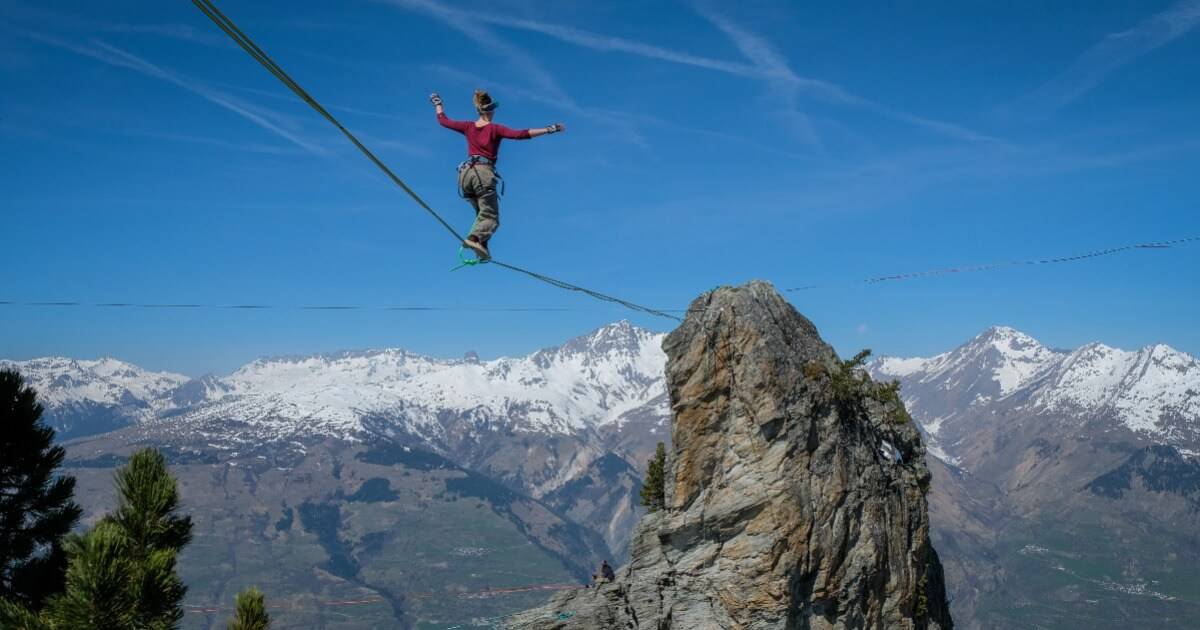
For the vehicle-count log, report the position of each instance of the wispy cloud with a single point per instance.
(468, 25)
(180, 32)
(1107, 56)
(73, 22)
(246, 147)
(609, 43)
(767, 64)
(785, 84)
(778, 72)
(114, 56)
(395, 145)
(283, 94)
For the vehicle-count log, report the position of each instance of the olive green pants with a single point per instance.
(478, 185)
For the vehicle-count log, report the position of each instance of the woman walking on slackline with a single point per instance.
(477, 176)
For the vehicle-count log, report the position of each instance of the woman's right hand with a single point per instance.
(435, 99)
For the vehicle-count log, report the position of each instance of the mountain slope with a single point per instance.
(345, 535)
(1068, 492)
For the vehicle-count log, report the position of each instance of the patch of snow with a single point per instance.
(933, 449)
(895, 366)
(890, 451)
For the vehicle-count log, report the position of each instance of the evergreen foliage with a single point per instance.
(37, 508)
(251, 612)
(101, 584)
(653, 492)
(852, 388)
(121, 574)
(922, 608)
(17, 617)
(147, 513)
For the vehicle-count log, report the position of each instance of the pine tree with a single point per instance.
(37, 508)
(251, 612)
(147, 514)
(654, 486)
(121, 574)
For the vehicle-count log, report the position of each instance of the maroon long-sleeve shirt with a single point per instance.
(485, 140)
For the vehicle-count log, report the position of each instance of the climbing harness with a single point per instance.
(241, 39)
(471, 163)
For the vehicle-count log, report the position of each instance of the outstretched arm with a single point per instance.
(444, 120)
(525, 134)
(555, 128)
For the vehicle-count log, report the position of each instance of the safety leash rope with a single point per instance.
(225, 24)
(1011, 263)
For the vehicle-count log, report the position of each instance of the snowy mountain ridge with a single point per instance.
(1154, 391)
(1141, 387)
(608, 376)
(588, 382)
(64, 381)
(1011, 359)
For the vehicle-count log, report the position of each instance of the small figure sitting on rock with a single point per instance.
(606, 572)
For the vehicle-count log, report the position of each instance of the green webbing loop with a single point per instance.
(466, 262)
(463, 260)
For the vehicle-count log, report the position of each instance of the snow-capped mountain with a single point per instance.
(589, 382)
(62, 381)
(1153, 392)
(603, 379)
(997, 362)
(92, 396)
(1147, 390)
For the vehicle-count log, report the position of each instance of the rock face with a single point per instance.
(795, 492)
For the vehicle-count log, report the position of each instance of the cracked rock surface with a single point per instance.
(790, 503)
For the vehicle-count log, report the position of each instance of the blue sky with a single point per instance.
(146, 159)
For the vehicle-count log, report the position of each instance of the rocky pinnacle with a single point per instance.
(795, 490)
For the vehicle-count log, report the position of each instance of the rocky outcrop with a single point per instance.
(795, 493)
